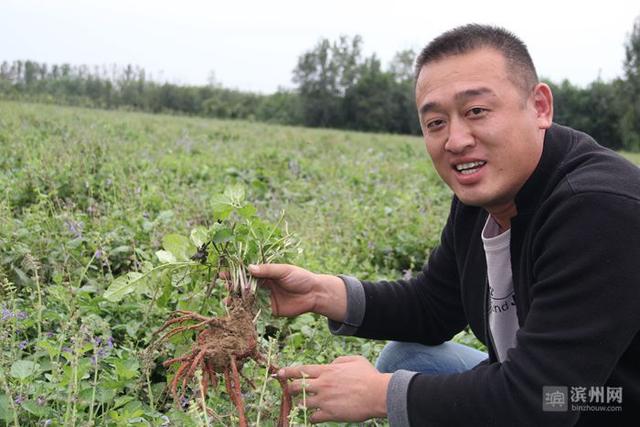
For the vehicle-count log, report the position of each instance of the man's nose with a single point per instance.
(459, 138)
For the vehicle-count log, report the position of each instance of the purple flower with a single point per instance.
(49, 334)
(74, 228)
(98, 253)
(184, 402)
(6, 314)
(41, 400)
(66, 350)
(101, 349)
(21, 315)
(23, 344)
(19, 399)
(47, 423)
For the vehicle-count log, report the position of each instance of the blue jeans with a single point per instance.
(447, 358)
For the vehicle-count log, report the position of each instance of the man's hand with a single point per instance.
(295, 291)
(348, 389)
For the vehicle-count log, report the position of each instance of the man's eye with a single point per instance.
(476, 111)
(435, 124)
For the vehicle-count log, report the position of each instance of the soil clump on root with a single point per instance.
(222, 346)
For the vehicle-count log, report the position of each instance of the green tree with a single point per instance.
(323, 76)
(595, 110)
(368, 101)
(281, 107)
(630, 120)
(402, 67)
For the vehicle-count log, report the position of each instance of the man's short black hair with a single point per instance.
(470, 37)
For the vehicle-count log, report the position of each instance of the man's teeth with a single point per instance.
(468, 168)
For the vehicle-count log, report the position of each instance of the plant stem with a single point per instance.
(86, 268)
(11, 401)
(203, 400)
(150, 391)
(95, 384)
(39, 290)
(304, 398)
(73, 388)
(264, 384)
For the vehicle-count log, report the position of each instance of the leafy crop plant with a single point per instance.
(223, 344)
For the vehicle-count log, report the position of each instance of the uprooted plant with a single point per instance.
(223, 344)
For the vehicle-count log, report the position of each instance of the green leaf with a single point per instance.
(84, 367)
(23, 369)
(122, 286)
(165, 257)
(6, 411)
(222, 207)
(235, 193)
(179, 246)
(247, 211)
(35, 409)
(147, 225)
(22, 276)
(120, 401)
(199, 236)
(103, 395)
(222, 235)
(132, 327)
(124, 249)
(126, 369)
(165, 217)
(50, 347)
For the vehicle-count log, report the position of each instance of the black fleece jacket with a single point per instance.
(575, 251)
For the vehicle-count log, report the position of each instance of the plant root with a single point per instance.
(221, 347)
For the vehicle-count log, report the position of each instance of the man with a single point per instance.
(540, 256)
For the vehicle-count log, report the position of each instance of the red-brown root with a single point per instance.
(221, 348)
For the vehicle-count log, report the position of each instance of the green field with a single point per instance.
(634, 157)
(88, 195)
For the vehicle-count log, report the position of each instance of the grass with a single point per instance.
(87, 195)
(634, 157)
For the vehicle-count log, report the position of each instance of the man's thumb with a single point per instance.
(268, 271)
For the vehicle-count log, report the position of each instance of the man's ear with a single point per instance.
(543, 104)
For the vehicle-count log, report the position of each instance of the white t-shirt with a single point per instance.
(503, 321)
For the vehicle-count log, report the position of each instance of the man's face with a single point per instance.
(483, 133)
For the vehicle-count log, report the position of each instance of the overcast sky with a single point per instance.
(254, 45)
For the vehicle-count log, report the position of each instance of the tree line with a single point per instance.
(336, 86)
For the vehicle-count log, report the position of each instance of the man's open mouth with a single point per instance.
(469, 168)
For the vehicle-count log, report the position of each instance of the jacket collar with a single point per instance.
(555, 146)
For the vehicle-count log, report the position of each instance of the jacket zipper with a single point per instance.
(491, 345)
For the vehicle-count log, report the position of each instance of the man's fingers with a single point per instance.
(295, 387)
(303, 371)
(345, 359)
(275, 309)
(311, 402)
(320, 416)
(269, 271)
